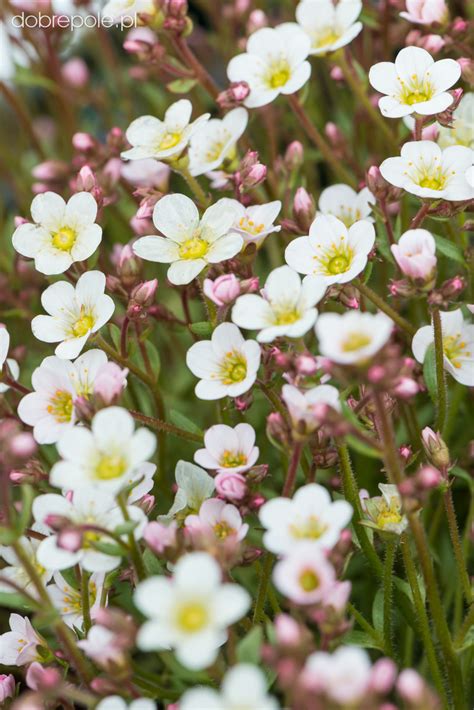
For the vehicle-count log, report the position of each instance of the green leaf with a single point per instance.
(152, 563)
(377, 611)
(429, 372)
(249, 648)
(449, 249)
(203, 329)
(360, 638)
(109, 548)
(7, 535)
(27, 496)
(183, 422)
(154, 357)
(13, 601)
(461, 473)
(181, 86)
(362, 448)
(114, 331)
(126, 527)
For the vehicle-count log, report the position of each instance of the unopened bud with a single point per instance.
(304, 209)
(294, 155)
(83, 142)
(235, 95)
(435, 449)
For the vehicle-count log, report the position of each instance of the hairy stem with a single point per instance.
(160, 425)
(263, 588)
(384, 306)
(440, 374)
(390, 550)
(457, 546)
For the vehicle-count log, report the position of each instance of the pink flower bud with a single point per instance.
(110, 382)
(69, 539)
(304, 208)
(40, 678)
(467, 69)
(18, 221)
(231, 486)
(223, 290)
(7, 687)
(83, 142)
(294, 155)
(75, 72)
(411, 686)
(333, 133)
(384, 672)
(406, 388)
(50, 170)
(86, 179)
(287, 630)
(337, 74)
(23, 445)
(306, 365)
(432, 43)
(158, 536)
(144, 293)
(257, 20)
(234, 95)
(429, 477)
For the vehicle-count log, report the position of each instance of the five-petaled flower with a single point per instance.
(228, 449)
(352, 338)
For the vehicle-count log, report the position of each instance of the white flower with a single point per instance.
(343, 676)
(164, 140)
(18, 646)
(227, 364)
(415, 83)
(346, 204)
(415, 254)
(218, 519)
(107, 456)
(458, 345)
(302, 406)
(214, 141)
(4, 345)
(228, 449)
(274, 63)
(470, 176)
(102, 646)
(68, 600)
(427, 171)
(117, 9)
(57, 384)
(61, 233)
(14, 372)
(285, 308)
(193, 613)
(115, 702)
(309, 517)
(189, 244)
(89, 508)
(16, 572)
(331, 252)
(74, 313)
(243, 686)
(194, 487)
(426, 12)
(329, 26)
(461, 132)
(147, 173)
(385, 512)
(305, 576)
(256, 222)
(352, 337)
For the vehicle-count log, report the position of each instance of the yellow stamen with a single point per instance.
(192, 617)
(64, 239)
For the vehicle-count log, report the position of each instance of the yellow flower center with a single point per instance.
(194, 248)
(416, 90)
(454, 348)
(169, 140)
(64, 239)
(309, 529)
(309, 581)
(230, 459)
(222, 530)
(355, 341)
(248, 225)
(388, 515)
(233, 368)
(192, 617)
(325, 37)
(83, 324)
(61, 406)
(335, 259)
(347, 216)
(110, 466)
(430, 175)
(278, 74)
(433, 183)
(286, 316)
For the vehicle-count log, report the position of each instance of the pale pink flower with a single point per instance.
(40, 678)
(7, 687)
(75, 72)
(101, 646)
(305, 576)
(425, 12)
(223, 290)
(411, 686)
(343, 676)
(228, 448)
(110, 382)
(220, 518)
(415, 254)
(159, 536)
(18, 646)
(231, 486)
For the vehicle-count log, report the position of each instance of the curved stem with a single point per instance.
(159, 425)
(383, 306)
(440, 374)
(420, 216)
(201, 74)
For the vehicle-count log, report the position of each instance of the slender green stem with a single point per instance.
(195, 187)
(457, 546)
(259, 609)
(274, 399)
(85, 599)
(315, 136)
(159, 425)
(384, 306)
(466, 626)
(423, 620)
(364, 624)
(134, 551)
(440, 374)
(390, 550)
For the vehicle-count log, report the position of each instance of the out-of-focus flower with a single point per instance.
(305, 576)
(470, 176)
(285, 308)
(147, 173)
(110, 381)
(117, 9)
(309, 517)
(4, 344)
(256, 222)
(343, 677)
(274, 63)
(194, 611)
(18, 646)
(109, 456)
(88, 512)
(61, 233)
(243, 686)
(75, 72)
(159, 536)
(329, 26)
(57, 384)
(331, 252)
(458, 345)
(304, 209)
(152, 138)
(223, 290)
(101, 645)
(384, 513)
(415, 83)
(68, 600)
(74, 313)
(219, 519)
(227, 364)
(427, 171)
(304, 406)
(115, 702)
(228, 448)
(353, 337)
(346, 204)
(425, 12)
(189, 243)
(214, 141)
(7, 687)
(194, 487)
(15, 572)
(415, 254)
